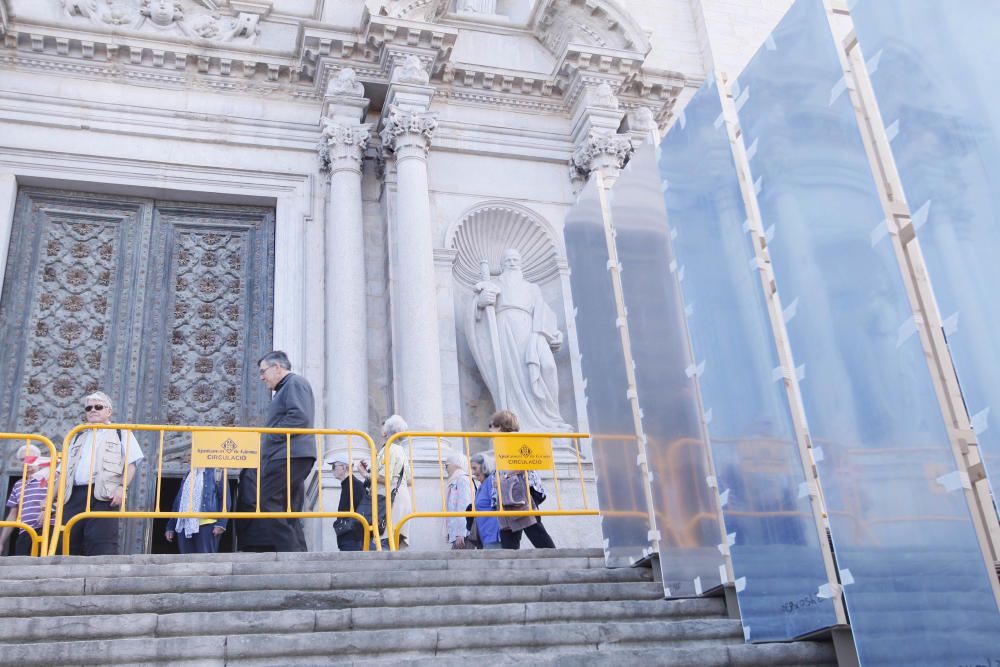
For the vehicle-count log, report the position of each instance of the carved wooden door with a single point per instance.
(164, 306)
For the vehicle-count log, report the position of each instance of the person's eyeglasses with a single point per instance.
(93, 407)
(265, 369)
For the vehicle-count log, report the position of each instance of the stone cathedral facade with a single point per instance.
(185, 184)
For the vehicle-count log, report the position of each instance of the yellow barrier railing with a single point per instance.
(37, 541)
(63, 531)
(394, 527)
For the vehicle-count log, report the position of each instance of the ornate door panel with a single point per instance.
(164, 306)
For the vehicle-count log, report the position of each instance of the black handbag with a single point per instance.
(343, 525)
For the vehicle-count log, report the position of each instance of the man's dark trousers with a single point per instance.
(90, 537)
(286, 534)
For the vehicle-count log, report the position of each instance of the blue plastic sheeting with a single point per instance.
(620, 484)
(775, 540)
(685, 505)
(915, 581)
(935, 77)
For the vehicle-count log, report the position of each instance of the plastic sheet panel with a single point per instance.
(773, 535)
(685, 505)
(914, 579)
(620, 490)
(935, 76)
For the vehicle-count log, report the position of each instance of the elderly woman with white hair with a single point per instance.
(458, 498)
(399, 467)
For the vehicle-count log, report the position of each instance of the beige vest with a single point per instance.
(108, 462)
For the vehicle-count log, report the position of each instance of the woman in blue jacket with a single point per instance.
(200, 492)
(488, 526)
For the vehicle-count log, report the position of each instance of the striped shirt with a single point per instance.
(34, 501)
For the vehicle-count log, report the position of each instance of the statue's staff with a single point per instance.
(491, 319)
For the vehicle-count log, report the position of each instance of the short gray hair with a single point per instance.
(455, 458)
(484, 461)
(99, 396)
(276, 358)
(393, 425)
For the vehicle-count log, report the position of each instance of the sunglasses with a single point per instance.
(93, 407)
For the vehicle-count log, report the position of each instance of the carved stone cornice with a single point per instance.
(408, 129)
(343, 146)
(603, 151)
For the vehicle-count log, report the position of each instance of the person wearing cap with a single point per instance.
(26, 501)
(352, 491)
(97, 463)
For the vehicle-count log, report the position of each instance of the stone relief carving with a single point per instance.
(512, 333)
(411, 71)
(345, 83)
(477, 6)
(342, 142)
(186, 18)
(600, 149)
(399, 124)
(602, 96)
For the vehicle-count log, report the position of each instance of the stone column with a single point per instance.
(595, 134)
(407, 130)
(342, 148)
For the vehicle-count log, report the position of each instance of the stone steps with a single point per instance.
(547, 606)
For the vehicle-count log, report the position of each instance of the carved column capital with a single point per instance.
(342, 145)
(604, 151)
(408, 130)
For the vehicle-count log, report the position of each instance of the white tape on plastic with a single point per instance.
(666, 592)
(712, 482)
(724, 498)
(828, 591)
(688, 310)
(752, 150)
(906, 331)
(607, 545)
(680, 275)
(664, 184)
(800, 372)
(837, 90)
(846, 578)
(682, 120)
(777, 373)
(758, 185)
(742, 98)
(872, 64)
(719, 120)
(746, 225)
(817, 453)
(723, 575)
(769, 234)
(640, 459)
(790, 311)
(769, 43)
(697, 585)
(621, 323)
(650, 477)
(630, 394)
(981, 421)
(883, 229)
(921, 215)
(757, 264)
(653, 536)
(610, 265)
(892, 131)
(954, 481)
(673, 233)
(746, 633)
(734, 87)
(740, 584)
(950, 324)
(673, 266)
(632, 560)
(695, 370)
(708, 416)
(807, 489)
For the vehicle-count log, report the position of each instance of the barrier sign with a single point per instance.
(518, 452)
(225, 449)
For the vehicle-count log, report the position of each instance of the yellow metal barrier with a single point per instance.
(393, 529)
(37, 541)
(61, 530)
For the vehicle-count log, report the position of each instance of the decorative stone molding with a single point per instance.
(197, 20)
(489, 229)
(408, 129)
(601, 150)
(411, 71)
(343, 146)
(345, 83)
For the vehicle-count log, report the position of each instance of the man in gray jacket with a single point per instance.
(292, 406)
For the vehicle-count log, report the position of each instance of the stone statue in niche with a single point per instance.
(345, 83)
(513, 333)
(477, 6)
